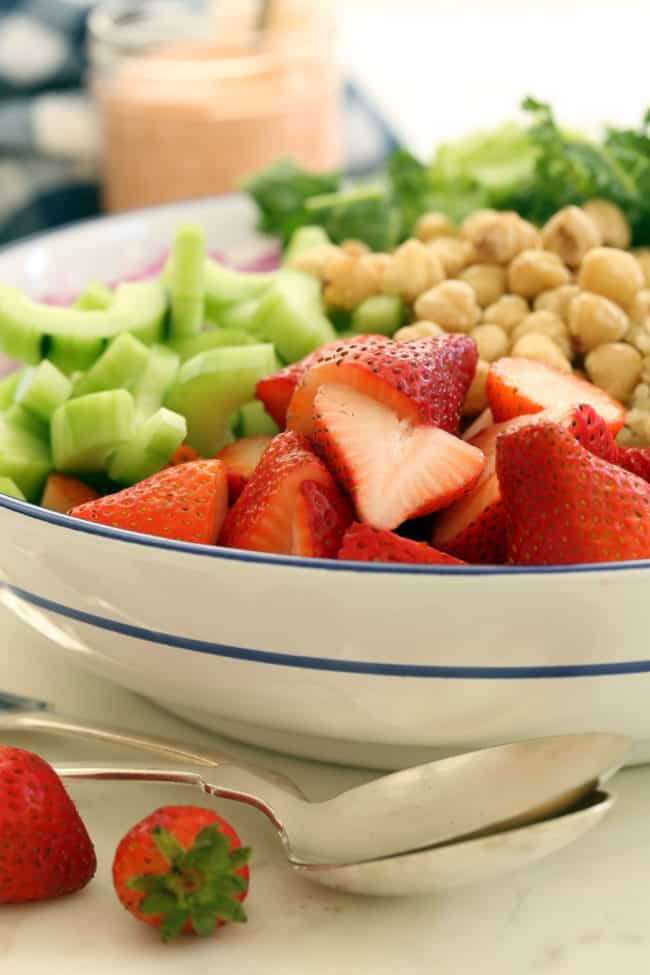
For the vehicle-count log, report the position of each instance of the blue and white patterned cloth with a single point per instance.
(49, 142)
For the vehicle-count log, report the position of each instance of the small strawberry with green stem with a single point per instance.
(182, 869)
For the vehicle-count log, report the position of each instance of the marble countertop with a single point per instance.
(583, 911)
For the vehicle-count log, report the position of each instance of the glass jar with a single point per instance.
(192, 100)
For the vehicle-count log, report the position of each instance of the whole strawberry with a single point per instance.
(45, 850)
(182, 869)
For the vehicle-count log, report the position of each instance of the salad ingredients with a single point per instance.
(422, 382)
(7, 486)
(187, 285)
(63, 492)
(363, 543)
(42, 389)
(563, 504)
(88, 429)
(393, 469)
(212, 385)
(592, 432)
(515, 386)
(149, 449)
(289, 505)
(45, 850)
(25, 455)
(187, 502)
(182, 869)
(241, 458)
(534, 169)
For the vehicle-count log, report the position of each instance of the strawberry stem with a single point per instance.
(202, 883)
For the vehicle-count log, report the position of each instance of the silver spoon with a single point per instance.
(419, 807)
(465, 860)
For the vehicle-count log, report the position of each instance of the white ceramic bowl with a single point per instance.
(349, 662)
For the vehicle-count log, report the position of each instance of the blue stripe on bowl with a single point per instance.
(328, 663)
(299, 562)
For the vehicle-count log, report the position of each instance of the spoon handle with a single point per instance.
(49, 722)
(176, 777)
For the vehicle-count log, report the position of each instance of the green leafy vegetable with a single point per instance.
(533, 168)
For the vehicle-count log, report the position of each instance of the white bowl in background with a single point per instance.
(357, 663)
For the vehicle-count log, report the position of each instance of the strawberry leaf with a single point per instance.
(167, 845)
(158, 902)
(204, 922)
(171, 924)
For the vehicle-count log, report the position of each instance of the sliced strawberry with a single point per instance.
(363, 543)
(63, 492)
(290, 504)
(592, 432)
(187, 502)
(482, 422)
(424, 381)
(516, 386)
(276, 391)
(565, 505)
(241, 458)
(393, 470)
(322, 514)
(474, 527)
(183, 455)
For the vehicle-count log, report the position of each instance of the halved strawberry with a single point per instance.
(187, 502)
(290, 504)
(276, 391)
(474, 527)
(363, 543)
(393, 470)
(63, 492)
(517, 386)
(482, 422)
(241, 458)
(592, 432)
(564, 505)
(424, 381)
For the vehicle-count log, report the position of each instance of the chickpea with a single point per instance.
(432, 225)
(498, 237)
(451, 304)
(639, 309)
(534, 271)
(315, 260)
(475, 398)
(549, 324)
(613, 273)
(615, 367)
(611, 221)
(557, 300)
(418, 330)
(642, 255)
(411, 270)
(491, 340)
(350, 280)
(355, 248)
(507, 312)
(570, 233)
(595, 320)
(454, 253)
(487, 280)
(542, 349)
(639, 337)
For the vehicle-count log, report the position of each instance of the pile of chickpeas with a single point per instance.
(570, 294)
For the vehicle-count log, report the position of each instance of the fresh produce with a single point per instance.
(563, 504)
(182, 869)
(289, 505)
(63, 492)
(45, 850)
(516, 386)
(186, 502)
(392, 469)
(363, 543)
(241, 458)
(422, 382)
(535, 169)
